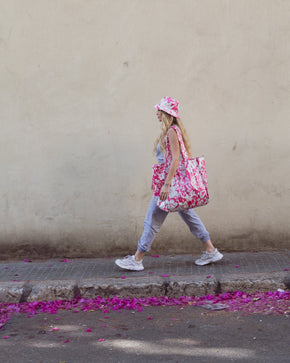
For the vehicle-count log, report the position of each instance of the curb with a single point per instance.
(171, 286)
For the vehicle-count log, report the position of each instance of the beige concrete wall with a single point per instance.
(78, 79)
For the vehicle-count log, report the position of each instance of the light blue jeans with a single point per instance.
(156, 216)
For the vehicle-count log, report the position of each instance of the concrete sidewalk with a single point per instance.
(171, 275)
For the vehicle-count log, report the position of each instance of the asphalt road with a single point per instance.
(157, 334)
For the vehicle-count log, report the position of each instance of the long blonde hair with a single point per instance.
(168, 121)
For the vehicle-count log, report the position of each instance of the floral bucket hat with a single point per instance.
(168, 105)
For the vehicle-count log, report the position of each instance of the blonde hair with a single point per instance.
(167, 122)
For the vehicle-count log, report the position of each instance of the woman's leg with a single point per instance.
(152, 223)
(197, 228)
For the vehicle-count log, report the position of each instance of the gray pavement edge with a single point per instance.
(173, 286)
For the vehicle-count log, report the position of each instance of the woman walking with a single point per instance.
(167, 114)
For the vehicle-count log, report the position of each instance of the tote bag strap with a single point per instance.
(182, 147)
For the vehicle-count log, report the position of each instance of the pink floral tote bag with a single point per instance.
(189, 187)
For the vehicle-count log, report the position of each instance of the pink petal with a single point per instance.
(88, 330)
(208, 277)
(66, 341)
(6, 268)
(104, 326)
(101, 340)
(164, 275)
(286, 269)
(6, 337)
(123, 277)
(150, 318)
(150, 272)
(237, 266)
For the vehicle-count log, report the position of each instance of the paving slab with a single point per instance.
(171, 275)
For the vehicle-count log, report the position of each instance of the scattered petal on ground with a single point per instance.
(123, 277)
(164, 275)
(208, 276)
(66, 341)
(150, 318)
(101, 340)
(286, 269)
(237, 266)
(26, 260)
(156, 256)
(150, 272)
(88, 330)
(6, 337)
(271, 302)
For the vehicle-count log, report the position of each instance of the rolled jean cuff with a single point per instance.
(141, 250)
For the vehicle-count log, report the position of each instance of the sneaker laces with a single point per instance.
(127, 257)
(205, 255)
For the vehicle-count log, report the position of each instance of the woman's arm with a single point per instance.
(175, 152)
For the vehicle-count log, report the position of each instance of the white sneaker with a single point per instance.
(207, 257)
(129, 263)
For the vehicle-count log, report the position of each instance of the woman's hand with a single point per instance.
(164, 193)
